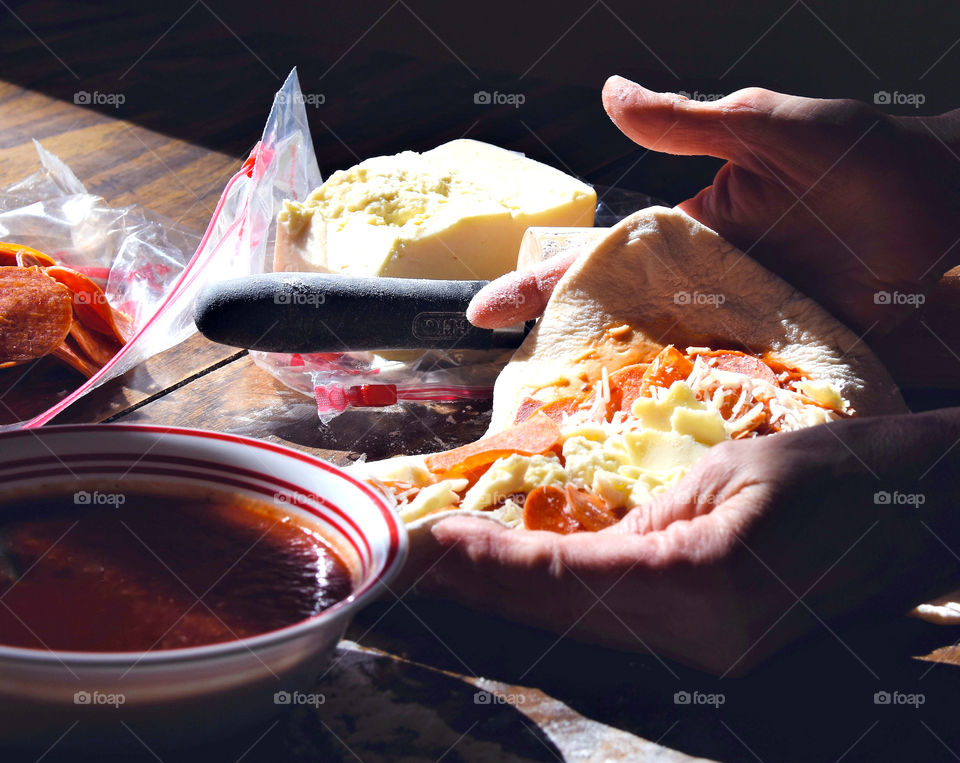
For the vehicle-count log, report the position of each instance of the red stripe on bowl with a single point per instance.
(391, 518)
(72, 458)
(365, 559)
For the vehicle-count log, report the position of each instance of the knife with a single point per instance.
(327, 312)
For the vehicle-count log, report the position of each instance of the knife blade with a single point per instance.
(326, 312)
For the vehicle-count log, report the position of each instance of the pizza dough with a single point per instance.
(675, 281)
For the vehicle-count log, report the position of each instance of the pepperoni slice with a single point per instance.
(527, 408)
(626, 385)
(741, 363)
(18, 255)
(546, 509)
(71, 354)
(98, 347)
(90, 303)
(589, 510)
(538, 434)
(669, 366)
(563, 406)
(35, 314)
(555, 409)
(474, 474)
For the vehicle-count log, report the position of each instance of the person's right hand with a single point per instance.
(763, 542)
(841, 200)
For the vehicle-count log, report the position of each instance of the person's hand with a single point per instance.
(841, 200)
(764, 541)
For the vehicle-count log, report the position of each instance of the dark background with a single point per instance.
(402, 74)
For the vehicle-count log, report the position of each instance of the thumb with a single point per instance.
(710, 483)
(520, 295)
(728, 128)
(682, 502)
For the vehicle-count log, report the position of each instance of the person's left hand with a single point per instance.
(762, 542)
(842, 201)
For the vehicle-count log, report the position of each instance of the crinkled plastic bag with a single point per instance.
(143, 262)
(132, 254)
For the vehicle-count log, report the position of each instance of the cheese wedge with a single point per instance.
(458, 211)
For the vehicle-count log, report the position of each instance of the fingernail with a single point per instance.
(621, 81)
(620, 87)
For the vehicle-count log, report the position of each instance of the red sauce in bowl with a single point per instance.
(157, 571)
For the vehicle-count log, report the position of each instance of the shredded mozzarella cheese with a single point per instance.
(753, 406)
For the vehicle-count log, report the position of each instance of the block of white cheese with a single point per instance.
(458, 211)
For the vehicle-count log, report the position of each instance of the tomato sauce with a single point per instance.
(148, 570)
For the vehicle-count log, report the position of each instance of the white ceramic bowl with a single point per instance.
(180, 696)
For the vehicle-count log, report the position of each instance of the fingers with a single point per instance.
(678, 503)
(616, 590)
(727, 128)
(506, 571)
(702, 208)
(738, 204)
(686, 500)
(518, 296)
(734, 128)
(714, 482)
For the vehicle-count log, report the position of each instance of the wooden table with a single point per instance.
(411, 686)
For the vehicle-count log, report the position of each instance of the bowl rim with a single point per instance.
(381, 578)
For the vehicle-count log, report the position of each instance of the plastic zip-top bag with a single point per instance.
(135, 258)
(143, 263)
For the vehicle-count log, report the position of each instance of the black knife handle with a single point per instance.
(325, 312)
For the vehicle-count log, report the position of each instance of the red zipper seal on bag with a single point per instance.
(336, 397)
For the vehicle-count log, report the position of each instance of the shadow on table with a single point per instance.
(854, 693)
(825, 700)
(28, 390)
(381, 433)
(376, 432)
(372, 708)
